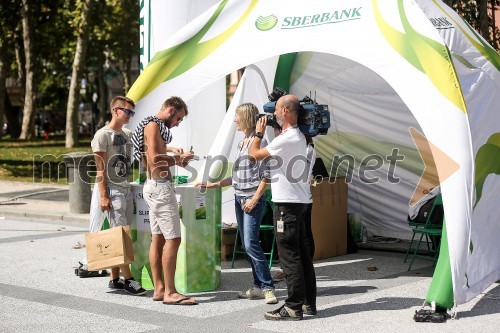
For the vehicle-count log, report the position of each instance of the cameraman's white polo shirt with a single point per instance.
(290, 168)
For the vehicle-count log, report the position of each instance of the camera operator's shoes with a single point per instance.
(133, 287)
(270, 297)
(116, 284)
(438, 317)
(283, 313)
(279, 276)
(252, 293)
(424, 315)
(309, 310)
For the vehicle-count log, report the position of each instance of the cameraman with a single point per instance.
(291, 194)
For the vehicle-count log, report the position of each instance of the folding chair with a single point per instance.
(270, 254)
(263, 228)
(431, 231)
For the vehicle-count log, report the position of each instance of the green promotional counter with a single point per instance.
(198, 260)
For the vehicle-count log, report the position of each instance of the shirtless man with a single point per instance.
(150, 142)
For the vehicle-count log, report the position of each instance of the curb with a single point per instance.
(80, 218)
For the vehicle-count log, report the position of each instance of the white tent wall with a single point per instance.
(257, 78)
(159, 23)
(369, 121)
(373, 101)
(396, 72)
(480, 84)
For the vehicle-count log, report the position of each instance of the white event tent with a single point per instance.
(386, 69)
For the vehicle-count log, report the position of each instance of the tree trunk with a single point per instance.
(76, 75)
(12, 115)
(18, 48)
(103, 93)
(449, 3)
(126, 73)
(484, 27)
(2, 85)
(126, 78)
(28, 125)
(494, 23)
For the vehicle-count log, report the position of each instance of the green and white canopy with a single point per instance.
(388, 69)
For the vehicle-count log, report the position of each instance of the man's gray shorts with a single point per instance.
(121, 199)
(163, 208)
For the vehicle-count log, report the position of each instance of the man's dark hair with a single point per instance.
(177, 103)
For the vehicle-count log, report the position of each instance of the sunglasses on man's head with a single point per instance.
(128, 112)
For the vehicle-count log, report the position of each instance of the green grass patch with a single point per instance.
(42, 161)
(39, 160)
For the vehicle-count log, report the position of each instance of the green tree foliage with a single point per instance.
(49, 57)
(56, 53)
(8, 26)
(113, 34)
(51, 35)
(82, 40)
(470, 10)
(113, 45)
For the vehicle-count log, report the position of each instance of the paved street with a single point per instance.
(39, 291)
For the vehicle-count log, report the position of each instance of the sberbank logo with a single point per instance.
(265, 23)
(336, 16)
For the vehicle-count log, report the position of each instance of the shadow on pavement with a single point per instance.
(334, 291)
(385, 303)
(488, 304)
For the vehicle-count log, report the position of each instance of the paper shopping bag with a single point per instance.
(109, 248)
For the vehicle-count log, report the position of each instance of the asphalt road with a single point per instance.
(39, 292)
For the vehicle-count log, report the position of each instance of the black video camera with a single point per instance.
(313, 118)
(271, 120)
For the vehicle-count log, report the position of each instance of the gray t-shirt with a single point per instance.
(118, 149)
(248, 174)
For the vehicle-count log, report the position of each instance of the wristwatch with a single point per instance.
(259, 135)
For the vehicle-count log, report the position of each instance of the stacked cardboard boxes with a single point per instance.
(329, 221)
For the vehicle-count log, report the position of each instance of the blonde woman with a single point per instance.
(249, 180)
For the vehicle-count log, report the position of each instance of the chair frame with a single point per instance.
(430, 230)
(263, 227)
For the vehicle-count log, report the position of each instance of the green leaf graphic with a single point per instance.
(486, 163)
(336, 148)
(201, 213)
(464, 61)
(483, 47)
(265, 23)
(172, 62)
(423, 53)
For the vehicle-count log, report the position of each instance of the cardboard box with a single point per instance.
(227, 239)
(227, 236)
(226, 252)
(329, 218)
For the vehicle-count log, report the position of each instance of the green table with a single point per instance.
(198, 260)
